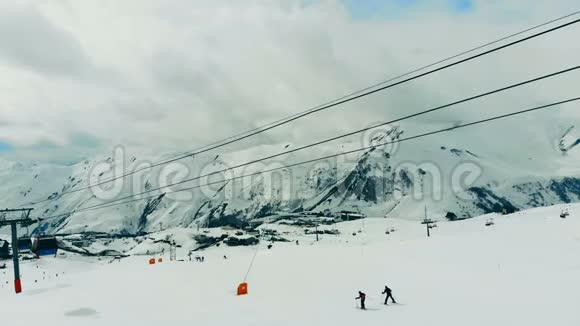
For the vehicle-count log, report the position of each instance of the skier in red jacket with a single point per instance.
(362, 298)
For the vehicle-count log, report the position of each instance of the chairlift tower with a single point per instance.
(316, 230)
(429, 224)
(13, 217)
(173, 252)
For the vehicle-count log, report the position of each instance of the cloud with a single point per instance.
(30, 40)
(85, 140)
(170, 75)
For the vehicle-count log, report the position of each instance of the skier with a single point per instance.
(362, 298)
(389, 294)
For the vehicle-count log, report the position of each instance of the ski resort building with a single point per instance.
(350, 216)
(4, 250)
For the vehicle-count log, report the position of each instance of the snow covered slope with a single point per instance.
(521, 271)
(453, 175)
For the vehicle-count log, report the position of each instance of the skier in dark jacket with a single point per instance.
(362, 297)
(389, 294)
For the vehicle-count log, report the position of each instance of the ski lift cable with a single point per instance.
(251, 263)
(427, 134)
(350, 97)
(110, 204)
(530, 81)
(260, 238)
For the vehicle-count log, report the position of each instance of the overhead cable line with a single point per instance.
(530, 81)
(427, 134)
(344, 99)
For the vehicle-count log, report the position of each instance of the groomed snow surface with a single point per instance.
(524, 270)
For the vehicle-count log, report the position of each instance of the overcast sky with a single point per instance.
(78, 77)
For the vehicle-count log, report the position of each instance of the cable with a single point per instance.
(427, 134)
(358, 131)
(342, 100)
(104, 205)
(260, 238)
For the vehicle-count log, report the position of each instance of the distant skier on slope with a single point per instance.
(389, 294)
(362, 297)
